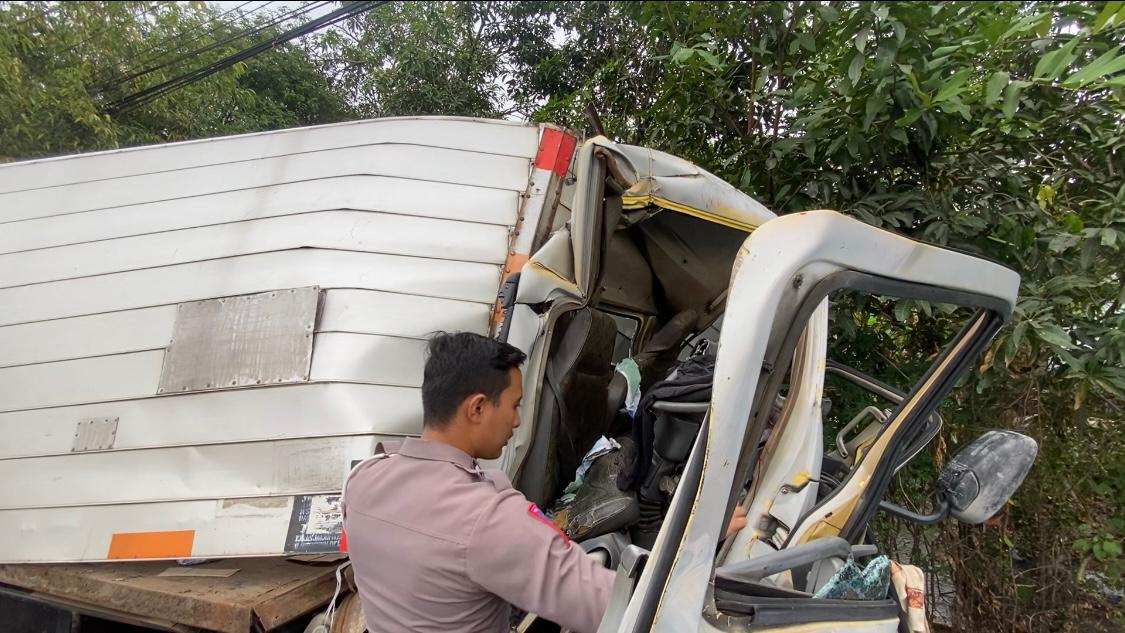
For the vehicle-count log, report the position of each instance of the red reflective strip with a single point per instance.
(538, 515)
(555, 151)
(343, 541)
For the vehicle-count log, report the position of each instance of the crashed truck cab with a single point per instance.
(239, 321)
(640, 274)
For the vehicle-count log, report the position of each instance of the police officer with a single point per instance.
(438, 544)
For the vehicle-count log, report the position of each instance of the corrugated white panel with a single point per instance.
(345, 310)
(337, 230)
(76, 381)
(361, 193)
(248, 274)
(400, 161)
(237, 415)
(381, 360)
(82, 337)
(358, 311)
(364, 358)
(494, 137)
(245, 527)
(369, 312)
(285, 467)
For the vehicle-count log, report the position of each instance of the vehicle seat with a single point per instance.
(572, 410)
(654, 360)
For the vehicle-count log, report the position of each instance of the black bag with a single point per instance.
(664, 439)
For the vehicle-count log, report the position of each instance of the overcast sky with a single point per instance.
(280, 6)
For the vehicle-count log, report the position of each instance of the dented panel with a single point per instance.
(161, 368)
(459, 133)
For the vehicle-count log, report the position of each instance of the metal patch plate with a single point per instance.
(95, 434)
(264, 338)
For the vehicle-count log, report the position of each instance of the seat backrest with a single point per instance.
(572, 410)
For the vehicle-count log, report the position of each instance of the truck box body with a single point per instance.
(197, 340)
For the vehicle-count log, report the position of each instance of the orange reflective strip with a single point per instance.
(174, 544)
(513, 265)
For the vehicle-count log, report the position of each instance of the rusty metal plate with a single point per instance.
(259, 339)
(273, 589)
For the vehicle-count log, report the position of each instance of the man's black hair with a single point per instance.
(459, 365)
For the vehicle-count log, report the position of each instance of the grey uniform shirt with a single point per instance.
(437, 544)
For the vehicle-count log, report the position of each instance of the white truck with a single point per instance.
(198, 340)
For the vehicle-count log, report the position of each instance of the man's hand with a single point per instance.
(737, 521)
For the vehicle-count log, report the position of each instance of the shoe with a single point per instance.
(599, 506)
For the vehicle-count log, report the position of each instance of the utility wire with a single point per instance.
(167, 44)
(219, 44)
(154, 92)
(176, 41)
(248, 32)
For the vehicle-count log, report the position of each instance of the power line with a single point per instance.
(254, 30)
(149, 94)
(168, 42)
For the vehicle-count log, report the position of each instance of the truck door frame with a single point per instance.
(784, 270)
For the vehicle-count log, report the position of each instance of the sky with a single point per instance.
(283, 5)
(277, 6)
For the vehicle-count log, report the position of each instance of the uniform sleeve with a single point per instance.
(518, 555)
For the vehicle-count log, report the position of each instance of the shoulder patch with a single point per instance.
(538, 515)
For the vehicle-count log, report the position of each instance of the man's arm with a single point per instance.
(517, 554)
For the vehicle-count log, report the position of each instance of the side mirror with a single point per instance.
(979, 480)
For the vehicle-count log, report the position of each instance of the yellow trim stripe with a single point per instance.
(848, 495)
(640, 202)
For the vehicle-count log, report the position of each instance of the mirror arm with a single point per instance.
(941, 510)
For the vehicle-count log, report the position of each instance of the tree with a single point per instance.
(992, 127)
(452, 58)
(62, 63)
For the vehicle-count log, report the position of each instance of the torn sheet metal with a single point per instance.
(670, 182)
(653, 178)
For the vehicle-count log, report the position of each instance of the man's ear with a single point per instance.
(474, 407)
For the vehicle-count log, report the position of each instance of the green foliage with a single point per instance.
(997, 128)
(993, 127)
(60, 63)
(416, 58)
